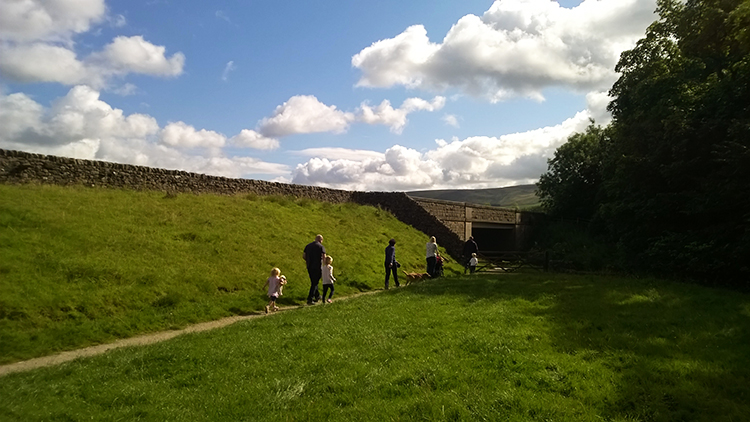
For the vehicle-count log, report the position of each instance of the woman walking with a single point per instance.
(431, 251)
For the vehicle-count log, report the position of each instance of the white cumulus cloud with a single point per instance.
(136, 55)
(451, 120)
(248, 138)
(41, 62)
(385, 114)
(55, 20)
(36, 45)
(81, 125)
(78, 116)
(517, 48)
(476, 162)
(182, 135)
(304, 114)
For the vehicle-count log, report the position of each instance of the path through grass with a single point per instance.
(511, 347)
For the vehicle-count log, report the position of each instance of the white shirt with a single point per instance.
(274, 283)
(328, 277)
(431, 250)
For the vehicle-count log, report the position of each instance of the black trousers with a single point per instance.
(393, 269)
(315, 277)
(431, 261)
(325, 290)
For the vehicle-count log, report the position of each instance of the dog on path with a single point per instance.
(414, 277)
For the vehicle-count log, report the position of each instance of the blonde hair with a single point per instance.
(329, 260)
(474, 254)
(275, 271)
(432, 239)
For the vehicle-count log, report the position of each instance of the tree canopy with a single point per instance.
(673, 183)
(572, 184)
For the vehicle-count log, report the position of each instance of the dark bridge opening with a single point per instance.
(494, 239)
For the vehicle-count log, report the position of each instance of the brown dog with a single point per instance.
(414, 277)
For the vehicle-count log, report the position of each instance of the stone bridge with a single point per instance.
(495, 229)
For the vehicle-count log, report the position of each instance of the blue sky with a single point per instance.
(386, 95)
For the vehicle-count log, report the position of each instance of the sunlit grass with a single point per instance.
(80, 266)
(519, 347)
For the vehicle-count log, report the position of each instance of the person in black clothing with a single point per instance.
(470, 247)
(313, 255)
(391, 266)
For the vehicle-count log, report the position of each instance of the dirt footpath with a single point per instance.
(145, 339)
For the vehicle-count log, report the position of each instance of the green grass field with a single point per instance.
(80, 266)
(517, 347)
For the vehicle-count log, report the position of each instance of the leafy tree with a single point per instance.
(674, 166)
(570, 188)
(677, 187)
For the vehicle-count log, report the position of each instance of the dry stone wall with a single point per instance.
(444, 210)
(22, 167)
(494, 215)
(462, 211)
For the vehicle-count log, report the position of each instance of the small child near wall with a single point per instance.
(473, 263)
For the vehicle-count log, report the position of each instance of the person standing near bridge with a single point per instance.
(431, 252)
(470, 249)
(313, 255)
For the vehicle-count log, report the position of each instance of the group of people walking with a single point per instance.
(319, 267)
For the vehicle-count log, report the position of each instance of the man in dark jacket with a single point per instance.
(313, 256)
(470, 247)
(391, 266)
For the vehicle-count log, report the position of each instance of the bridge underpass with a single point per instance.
(503, 235)
(494, 237)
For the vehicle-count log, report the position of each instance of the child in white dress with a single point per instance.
(274, 284)
(473, 263)
(328, 277)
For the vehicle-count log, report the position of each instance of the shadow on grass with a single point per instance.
(676, 351)
(242, 312)
(362, 287)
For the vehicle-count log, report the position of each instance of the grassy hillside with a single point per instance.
(516, 347)
(523, 196)
(80, 266)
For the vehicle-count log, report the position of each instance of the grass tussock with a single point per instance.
(80, 266)
(518, 347)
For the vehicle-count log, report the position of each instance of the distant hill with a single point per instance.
(522, 196)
